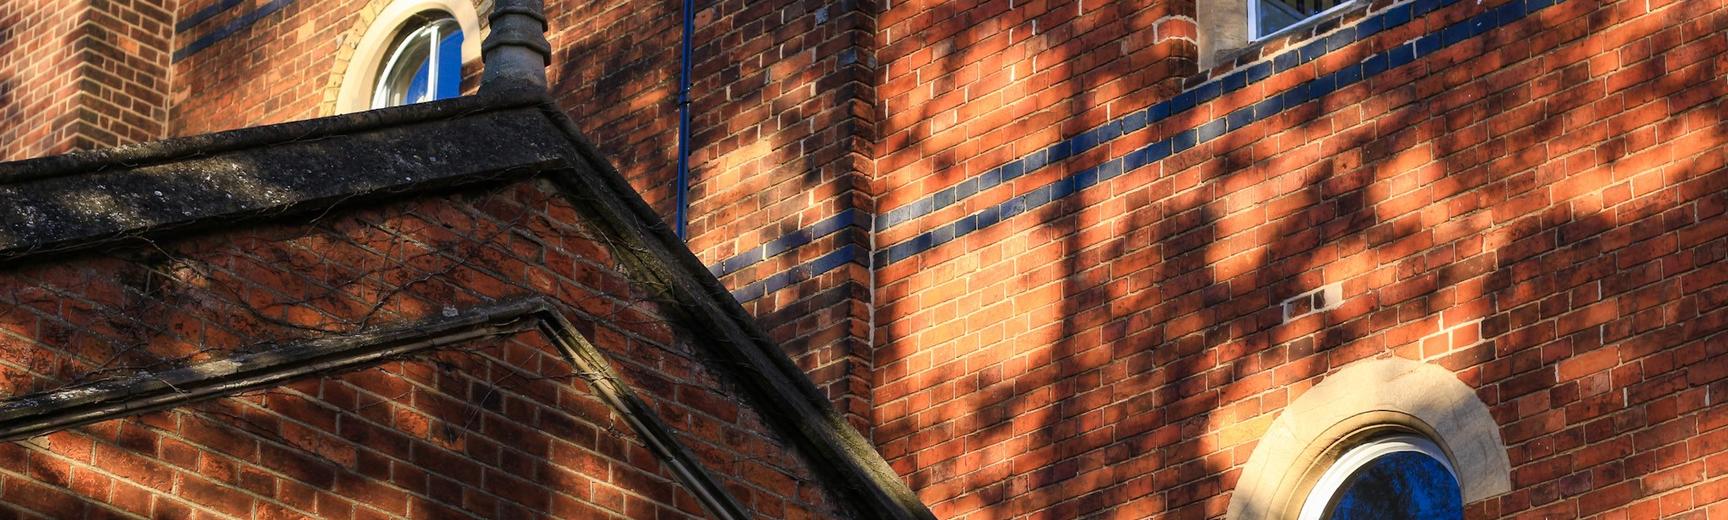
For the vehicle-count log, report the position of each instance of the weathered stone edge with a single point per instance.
(845, 457)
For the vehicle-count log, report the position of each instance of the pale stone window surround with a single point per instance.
(361, 70)
(1225, 32)
(1366, 400)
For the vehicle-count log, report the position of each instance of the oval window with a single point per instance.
(1403, 476)
(425, 64)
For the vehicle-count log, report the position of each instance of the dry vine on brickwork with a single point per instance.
(413, 261)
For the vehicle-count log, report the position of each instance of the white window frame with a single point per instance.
(1320, 496)
(1254, 29)
(356, 68)
(432, 30)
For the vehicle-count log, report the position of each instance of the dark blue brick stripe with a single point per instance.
(845, 219)
(1297, 95)
(228, 29)
(1386, 19)
(205, 14)
(851, 254)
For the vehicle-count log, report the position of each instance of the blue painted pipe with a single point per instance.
(684, 59)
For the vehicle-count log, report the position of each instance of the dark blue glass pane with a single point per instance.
(1275, 15)
(417, 87)
(1405, 484)
(450, 66)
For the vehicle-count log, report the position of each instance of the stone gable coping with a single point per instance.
(85, 200)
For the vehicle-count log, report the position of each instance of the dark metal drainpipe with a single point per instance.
(684, 59)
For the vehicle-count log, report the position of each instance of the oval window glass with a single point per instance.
(425, 64)
(1397, 477)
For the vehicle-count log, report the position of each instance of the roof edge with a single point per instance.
(176, 148)
(850, 462)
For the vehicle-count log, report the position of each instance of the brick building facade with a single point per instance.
(1052, 259)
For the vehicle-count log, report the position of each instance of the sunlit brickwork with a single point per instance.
(1055, 269)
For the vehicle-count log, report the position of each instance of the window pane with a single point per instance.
(416, 91)
(406, 65)
(450, 65)
(1275, 15)
(425, 64)
(1404, 484)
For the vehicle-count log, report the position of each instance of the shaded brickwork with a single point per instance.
(1059, 271)
(784, 124)
(616, 63)
(76, 74)
(458, 435)
(492, 428)
(243, 64)
(240, 64)
(124, 48)
(781, 102)
(781, 97)
(39, 77)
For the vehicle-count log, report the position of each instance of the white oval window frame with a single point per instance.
(379, 93)
(360, 75)
(1320, 496)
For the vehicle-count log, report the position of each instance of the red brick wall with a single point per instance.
(39, 71)
(487, 429)
(967, 86)
(781, 99)
(125, 49)
(78, 75)
(616, 67)
(1538, 209)
(1118, 352)
(784, 119)
(615, 71)
(230, 74)
(410, 439)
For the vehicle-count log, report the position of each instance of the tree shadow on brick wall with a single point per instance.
(1023, 442)
(1479, 252)
(125, 310)
(1201, 345)
(780, 140)
(404, 261)
(622, 91)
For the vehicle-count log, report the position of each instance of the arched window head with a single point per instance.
(1400, 476)
(424, 63)
(1376, 424)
